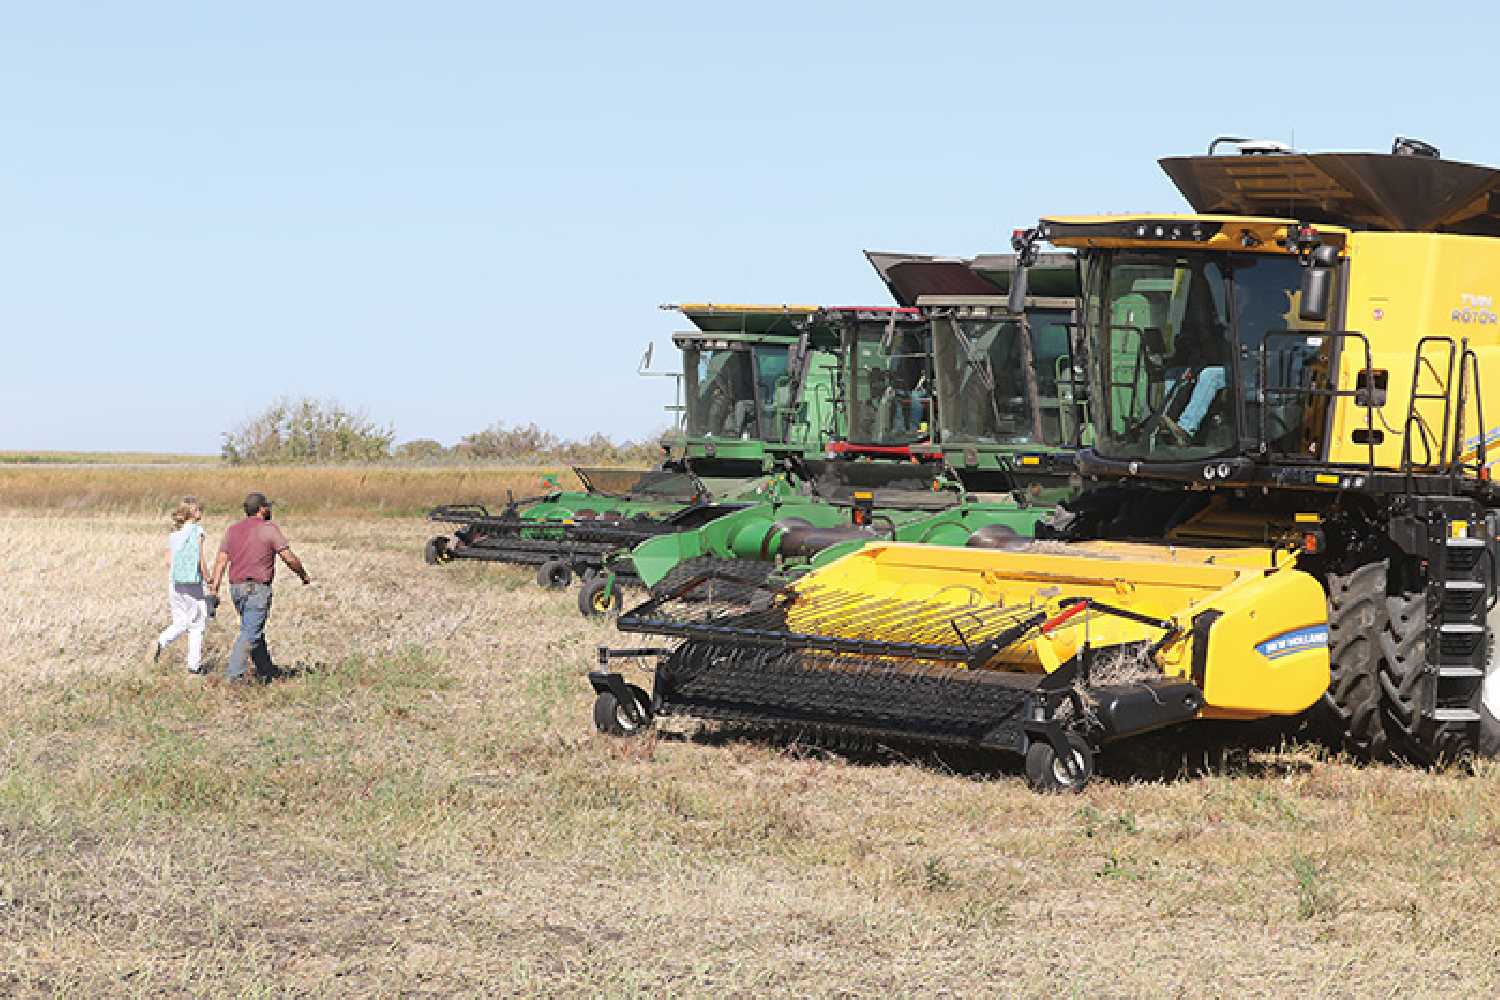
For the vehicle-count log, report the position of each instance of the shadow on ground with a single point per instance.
(1180, 753)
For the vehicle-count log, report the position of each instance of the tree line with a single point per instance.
(310, 431)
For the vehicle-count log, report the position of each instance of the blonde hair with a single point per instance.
(188, 510)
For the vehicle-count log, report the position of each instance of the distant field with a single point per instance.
(386, 489)
(103, 458)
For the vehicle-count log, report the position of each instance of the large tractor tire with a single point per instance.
(1356, 621)
(1489, 713)
(1405, 679)
(1489, 697)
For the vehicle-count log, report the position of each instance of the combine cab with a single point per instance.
(1288, 506)
(1011, 404)
(758, 386)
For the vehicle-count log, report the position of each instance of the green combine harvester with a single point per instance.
(757, 389)
(872, 393)
(960, 421)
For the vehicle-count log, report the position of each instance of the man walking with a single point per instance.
(249, 551)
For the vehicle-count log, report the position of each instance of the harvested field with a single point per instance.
(422, 808)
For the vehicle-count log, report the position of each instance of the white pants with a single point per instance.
(190, 615)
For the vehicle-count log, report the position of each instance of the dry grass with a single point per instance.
(424, 810)
(103, 458)
(385, 489)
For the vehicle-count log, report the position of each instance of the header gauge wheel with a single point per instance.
(614, 719)
(597, 598)
(554, 574)
(1046, 772)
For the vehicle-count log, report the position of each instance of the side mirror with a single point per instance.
(1317, 285)
(1019, 279)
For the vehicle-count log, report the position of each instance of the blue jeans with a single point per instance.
(253, 602)
(1210, 382)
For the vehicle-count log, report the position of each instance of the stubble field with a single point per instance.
(422, 808)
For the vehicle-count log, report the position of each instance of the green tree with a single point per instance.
(307, 431)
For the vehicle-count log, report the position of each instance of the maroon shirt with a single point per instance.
(251, 546)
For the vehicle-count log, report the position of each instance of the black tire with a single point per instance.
(554, 574)
(1489, 722)
(611, 719)
(1489, 733)
(1045, 772)
(592, 602)
(1404, 680)
(436, 551)
(1350, 710)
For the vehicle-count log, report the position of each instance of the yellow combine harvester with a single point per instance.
(1288, 504)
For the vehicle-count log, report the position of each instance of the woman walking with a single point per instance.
(188, 561)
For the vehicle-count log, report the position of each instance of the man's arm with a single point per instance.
(218, 573)
(294, 564)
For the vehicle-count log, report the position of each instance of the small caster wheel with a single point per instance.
(598, 599)
(554, 574)
(614, 719)
(1045, 772)
(436, 551)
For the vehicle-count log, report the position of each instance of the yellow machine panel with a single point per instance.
(1405, 287)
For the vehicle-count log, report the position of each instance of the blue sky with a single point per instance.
(453, 214)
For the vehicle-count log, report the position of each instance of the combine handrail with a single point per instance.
(1445, 382)
(1294, 392)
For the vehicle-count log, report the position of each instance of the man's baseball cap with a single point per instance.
(255, 501)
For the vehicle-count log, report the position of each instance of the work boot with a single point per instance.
(1179, 434)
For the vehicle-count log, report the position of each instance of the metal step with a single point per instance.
(1457, 628)
(1463, 543)
(1455, 715)
(1463, 584)
(1474, 673)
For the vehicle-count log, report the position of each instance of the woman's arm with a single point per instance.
(204, 570)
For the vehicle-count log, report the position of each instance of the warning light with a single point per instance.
(863, 512)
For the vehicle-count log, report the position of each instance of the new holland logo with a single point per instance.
(1295, 641)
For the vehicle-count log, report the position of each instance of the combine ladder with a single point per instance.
(1459, 592)
(1461, 569)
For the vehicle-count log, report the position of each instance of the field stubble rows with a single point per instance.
(423, 808)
